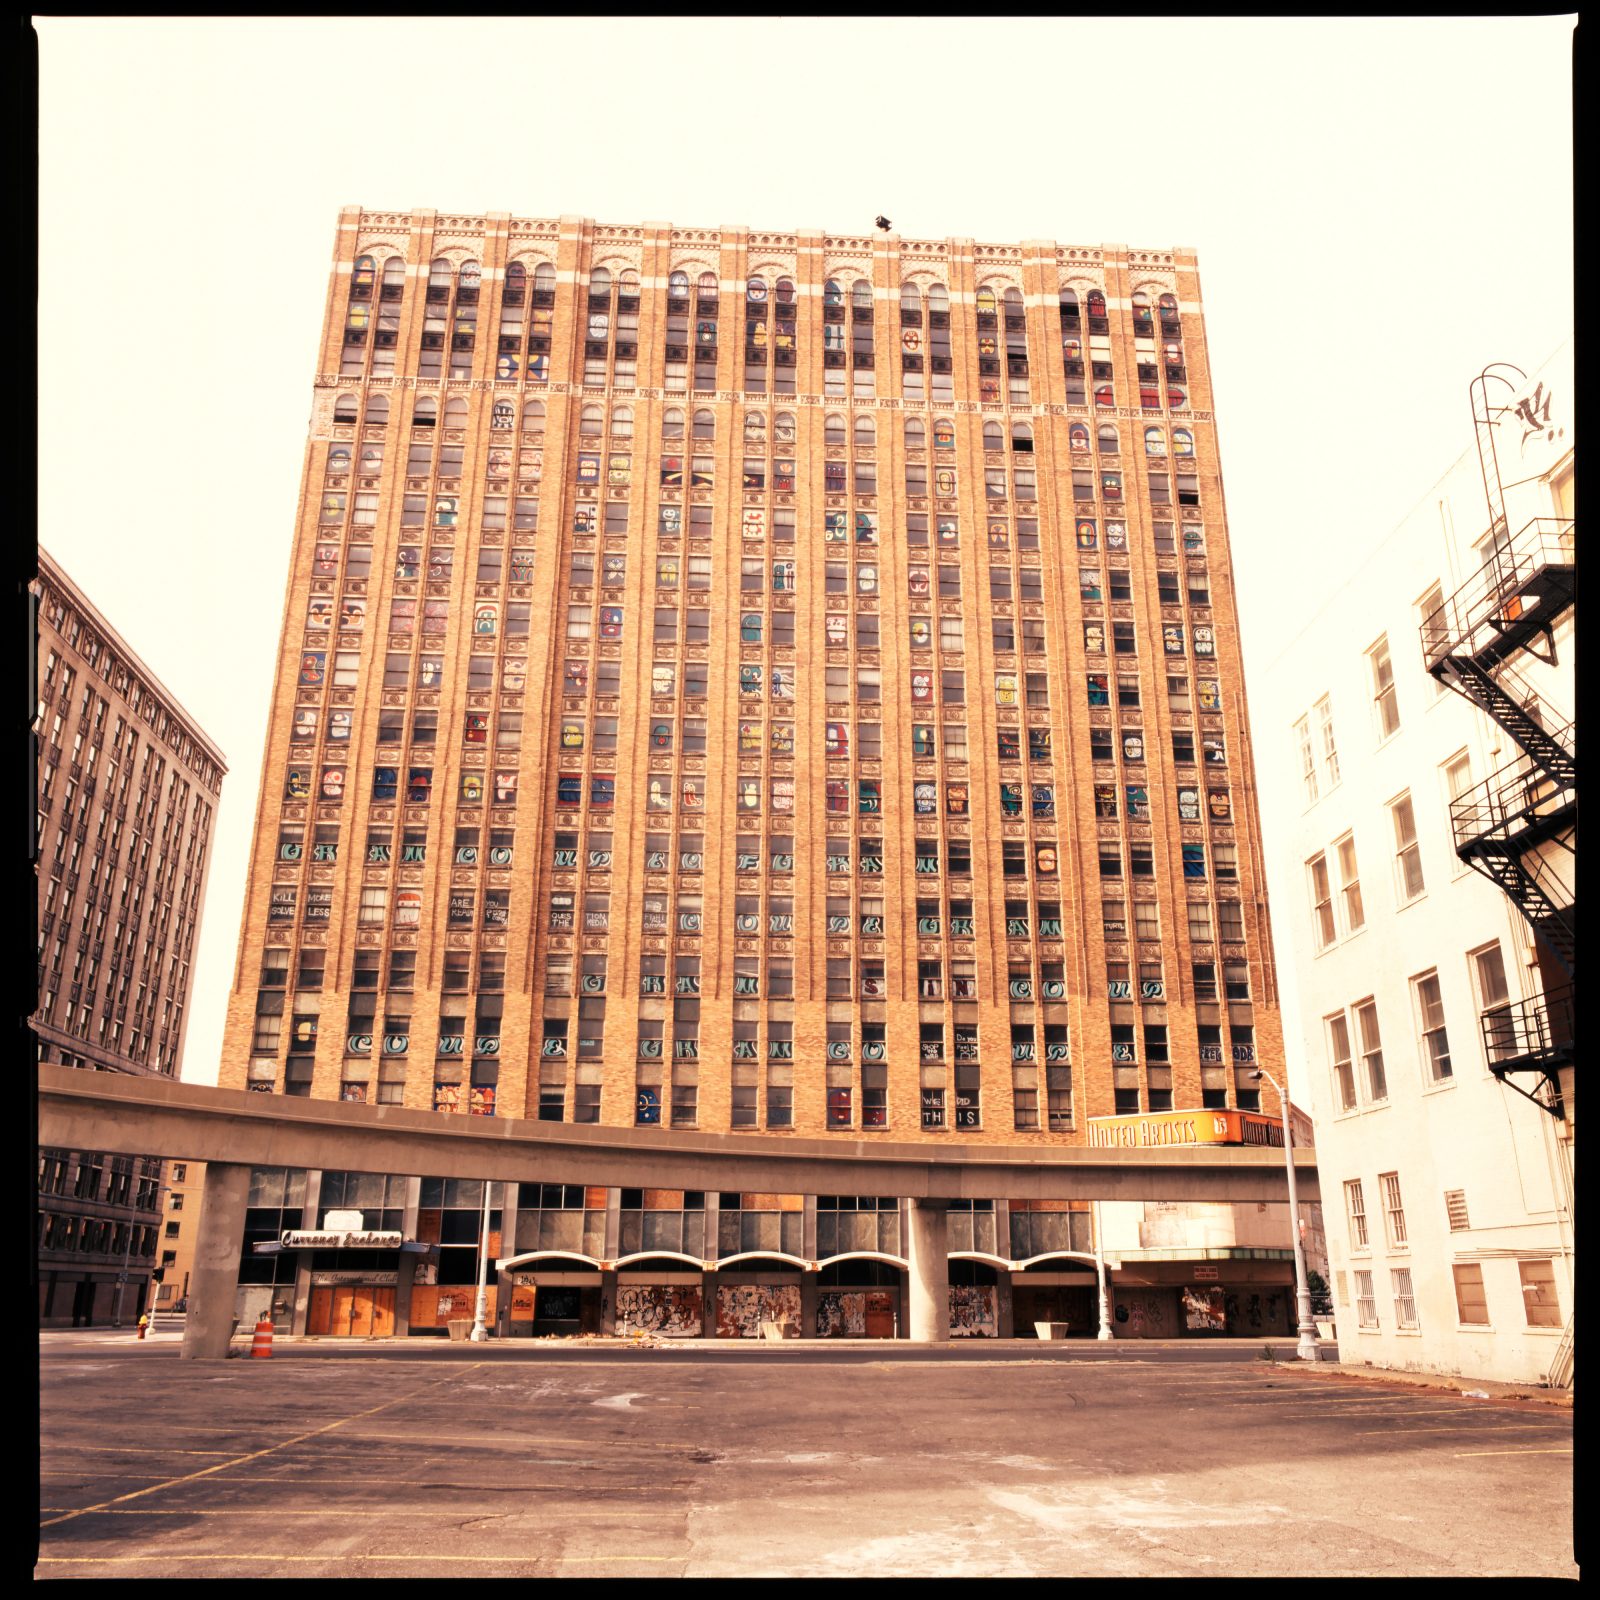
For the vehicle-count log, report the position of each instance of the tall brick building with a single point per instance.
(127, 789)
(754, 681)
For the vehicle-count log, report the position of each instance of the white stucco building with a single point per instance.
(1447, 1191)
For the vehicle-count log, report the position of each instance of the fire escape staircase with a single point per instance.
(1513, 827)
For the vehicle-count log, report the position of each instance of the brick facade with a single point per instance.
(465, 473)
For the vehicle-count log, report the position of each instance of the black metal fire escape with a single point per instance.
(1523, 817)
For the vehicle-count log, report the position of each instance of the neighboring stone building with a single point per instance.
(1436, 1000)
(127, 790)
(745, 681)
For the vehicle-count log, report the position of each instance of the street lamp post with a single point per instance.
(1307, 1347)
(480, 1310)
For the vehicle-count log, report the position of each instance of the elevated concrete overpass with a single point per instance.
(232, 1130)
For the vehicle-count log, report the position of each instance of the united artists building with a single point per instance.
(769, 682)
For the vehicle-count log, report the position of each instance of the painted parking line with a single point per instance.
(1470, 1427)
(1567, 1451)
(254, 1455)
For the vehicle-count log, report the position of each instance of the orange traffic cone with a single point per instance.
(261, 1345)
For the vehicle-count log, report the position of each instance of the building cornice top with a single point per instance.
(52, 573)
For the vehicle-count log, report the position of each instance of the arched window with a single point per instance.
(533, 417)
(705, 425)
(1021, 437)
(377, 410)
(944, 433)
(362, 274)
(1169, 306)
(708, 286)
(756, 290)
(784, 292)
(861, 295)
(938, 297)
(426, 413)
(1155, 442)
(678, 285)
(866, 432)
(755, 427)
(911, 299)
(1142, 317)
(672, 424)
(1069, 304)
(1097, 303)
(470, 276)
(516, 281)
(1078, 436)
(832, 293)
(394, 277)
(628, 284)
(600, 284)
(1182, 442)
(345, 407)
(1013, 302)
(993, 438)
(1108, 440)
(591, 423)
(916, 434)
(833, 430)
(783, 427)
(439, 276)
(986, 304)
(455, 413)
(622, 422)
(544, 278)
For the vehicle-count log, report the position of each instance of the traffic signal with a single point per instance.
(158, 1274)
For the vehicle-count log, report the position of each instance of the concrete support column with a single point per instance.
(810, 1289)
(708, 1305)
(608, 1300)
(216, 1261)
(928, 1281)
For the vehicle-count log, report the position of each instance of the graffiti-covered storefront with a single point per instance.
(1226, 1297)
(660, 1299)
(859, 1298)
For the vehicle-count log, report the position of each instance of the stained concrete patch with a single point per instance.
(1143, 1510)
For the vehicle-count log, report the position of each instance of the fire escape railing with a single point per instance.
(1522, 588)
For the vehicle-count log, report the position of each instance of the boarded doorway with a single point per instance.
(352, 1311)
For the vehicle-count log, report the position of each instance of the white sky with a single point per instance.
(1381, 207)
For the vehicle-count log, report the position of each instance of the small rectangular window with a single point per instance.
(1472, 1305)
(1386, 706)
(1539, 1298)
(1431, 1025)
(1408, 853)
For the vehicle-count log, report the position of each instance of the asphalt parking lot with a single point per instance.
(817, 1467)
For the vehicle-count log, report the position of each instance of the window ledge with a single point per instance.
(1440, 1086)
(1408, 1333)
(1485, 1327)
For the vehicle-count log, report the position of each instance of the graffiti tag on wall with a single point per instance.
(972, 1313)
(743, 1307)
(673, 1311)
